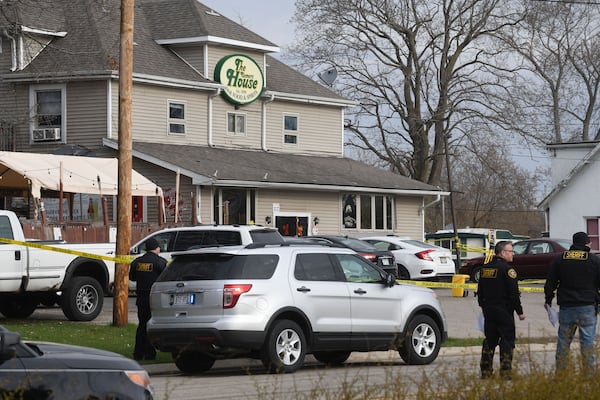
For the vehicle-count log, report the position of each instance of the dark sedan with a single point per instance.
(532, 258)
(383, 258)
(32, 370)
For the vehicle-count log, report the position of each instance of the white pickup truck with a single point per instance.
(32, 276)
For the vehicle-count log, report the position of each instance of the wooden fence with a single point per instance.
(84, 233)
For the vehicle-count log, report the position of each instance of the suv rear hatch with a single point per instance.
(199, 287)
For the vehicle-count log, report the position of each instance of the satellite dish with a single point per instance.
(328, 76)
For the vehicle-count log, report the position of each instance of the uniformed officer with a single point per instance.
(144, 270)
(575, 275)
(499, 298)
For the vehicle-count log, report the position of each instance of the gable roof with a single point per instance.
(574, 172)
(90, 48)
(188, 21)
(226, 167)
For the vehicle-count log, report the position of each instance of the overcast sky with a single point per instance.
(268, 18)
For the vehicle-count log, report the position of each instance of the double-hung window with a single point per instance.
(290, 129)
(236, 123)
(47, 105)
(176, 118)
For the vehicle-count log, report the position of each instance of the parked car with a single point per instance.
(184, 238)
(416, 259)
(532, 258)
(383, 258)
(278, 303)
(40, 370)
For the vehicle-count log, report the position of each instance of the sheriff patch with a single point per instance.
(489, 273)
(575, 255)
(512, 273)
(144, 267)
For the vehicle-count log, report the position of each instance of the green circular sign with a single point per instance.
(242, 77)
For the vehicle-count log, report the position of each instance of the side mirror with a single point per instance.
(8, 345)
(390, 280)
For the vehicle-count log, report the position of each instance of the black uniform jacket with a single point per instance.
(144, 270)
(498, 286)
(576, 275)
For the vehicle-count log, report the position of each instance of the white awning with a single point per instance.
(79, 174)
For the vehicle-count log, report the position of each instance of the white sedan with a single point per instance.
(417, 259)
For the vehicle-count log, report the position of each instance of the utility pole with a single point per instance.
(452, 211)
(124, 202)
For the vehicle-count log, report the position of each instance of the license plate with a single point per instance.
(443, 260)
(182, 299)
(385, 261)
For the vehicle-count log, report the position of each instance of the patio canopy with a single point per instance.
(91, 175)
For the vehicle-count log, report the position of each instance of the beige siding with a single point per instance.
(319, 128)
(86, 113)
(215, 54)
(14, 112)
(206, 205)
(409, 217)
(324, 205)
(150, 115)
(193, 55)
(253, 114)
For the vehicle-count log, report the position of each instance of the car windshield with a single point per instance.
(211, 266)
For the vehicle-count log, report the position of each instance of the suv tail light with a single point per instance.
(231, 294)
(424, 255)
(369, 256)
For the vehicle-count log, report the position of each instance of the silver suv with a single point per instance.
(279, 303)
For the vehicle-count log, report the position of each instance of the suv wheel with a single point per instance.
(422, 342)
(193, 362)
(476, 274)
(332, 357)
(285, 347)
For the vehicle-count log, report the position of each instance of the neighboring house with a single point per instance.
(230, 133)
(573, 204)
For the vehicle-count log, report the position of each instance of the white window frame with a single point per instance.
(373, 203)
(176, 121)
(290, 132)
(236, 131)
(33, 89)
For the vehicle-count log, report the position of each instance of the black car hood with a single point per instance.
(55, 355)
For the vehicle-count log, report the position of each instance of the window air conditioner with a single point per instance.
(46, 134)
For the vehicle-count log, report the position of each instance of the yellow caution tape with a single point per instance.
(127, 259)
(473, 286)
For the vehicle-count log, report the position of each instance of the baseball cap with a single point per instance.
(581, 238)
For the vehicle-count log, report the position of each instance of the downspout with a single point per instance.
(10, 36)
(437, 200)
(210, 116)
(264, 122)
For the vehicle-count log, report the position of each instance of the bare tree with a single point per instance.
(492, 191)
(419, 70)
(556, 95)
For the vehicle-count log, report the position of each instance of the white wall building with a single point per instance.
(574, 202)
